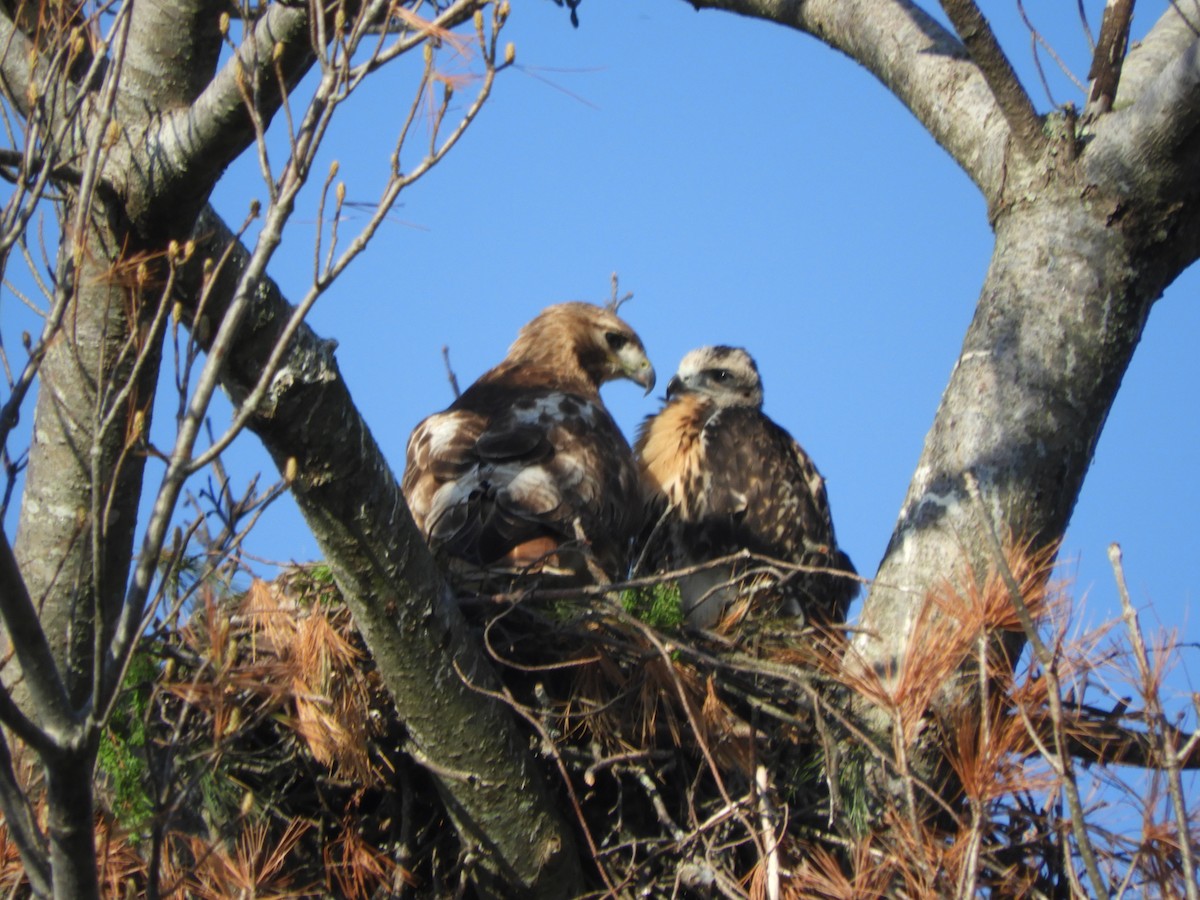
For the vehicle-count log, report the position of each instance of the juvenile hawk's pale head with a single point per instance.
(726, 375)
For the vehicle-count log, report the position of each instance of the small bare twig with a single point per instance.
(615, 300)
(660, 809)
(1154, 712)
(1083, 23)
(1037, 40)
(741, 556)
(770, 839)
(453, 379)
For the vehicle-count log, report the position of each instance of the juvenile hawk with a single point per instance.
(725, 478)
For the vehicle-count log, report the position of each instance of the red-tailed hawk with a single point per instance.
(526, 471)
(727, 478)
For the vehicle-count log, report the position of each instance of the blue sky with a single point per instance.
(751, 187)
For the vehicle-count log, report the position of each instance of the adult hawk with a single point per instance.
(526, 472)
(725, 478)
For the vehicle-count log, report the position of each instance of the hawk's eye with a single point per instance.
(720, 375)
(616, 341)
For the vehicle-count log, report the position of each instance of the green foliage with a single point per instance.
(805, 783)
(314, 584)
(220, 797)
(320, 573)
(858, 805)
(121, 755)
(658, 605)
(181, 573)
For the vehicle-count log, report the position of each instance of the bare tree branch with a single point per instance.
(22, 827)
(15, 71)
(42, 678)
(179, 37)
(1105, 73)
(1036, 41)
(977, 35)
(201, 139)
(1110, 738)
(396, 183)
(1166, 741)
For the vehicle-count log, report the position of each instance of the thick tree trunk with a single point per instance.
(79, 511)
(1066, 297)
(71, 826)
(84, 481)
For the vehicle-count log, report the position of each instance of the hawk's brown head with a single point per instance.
(585, 340)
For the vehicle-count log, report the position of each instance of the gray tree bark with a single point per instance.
(79, 509)
(79, 512)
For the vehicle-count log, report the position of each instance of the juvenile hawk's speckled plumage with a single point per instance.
(726, 478)
(527, 469)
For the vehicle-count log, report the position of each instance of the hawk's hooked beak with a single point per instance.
(674, 386)
(644, 376)
(635, 365)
